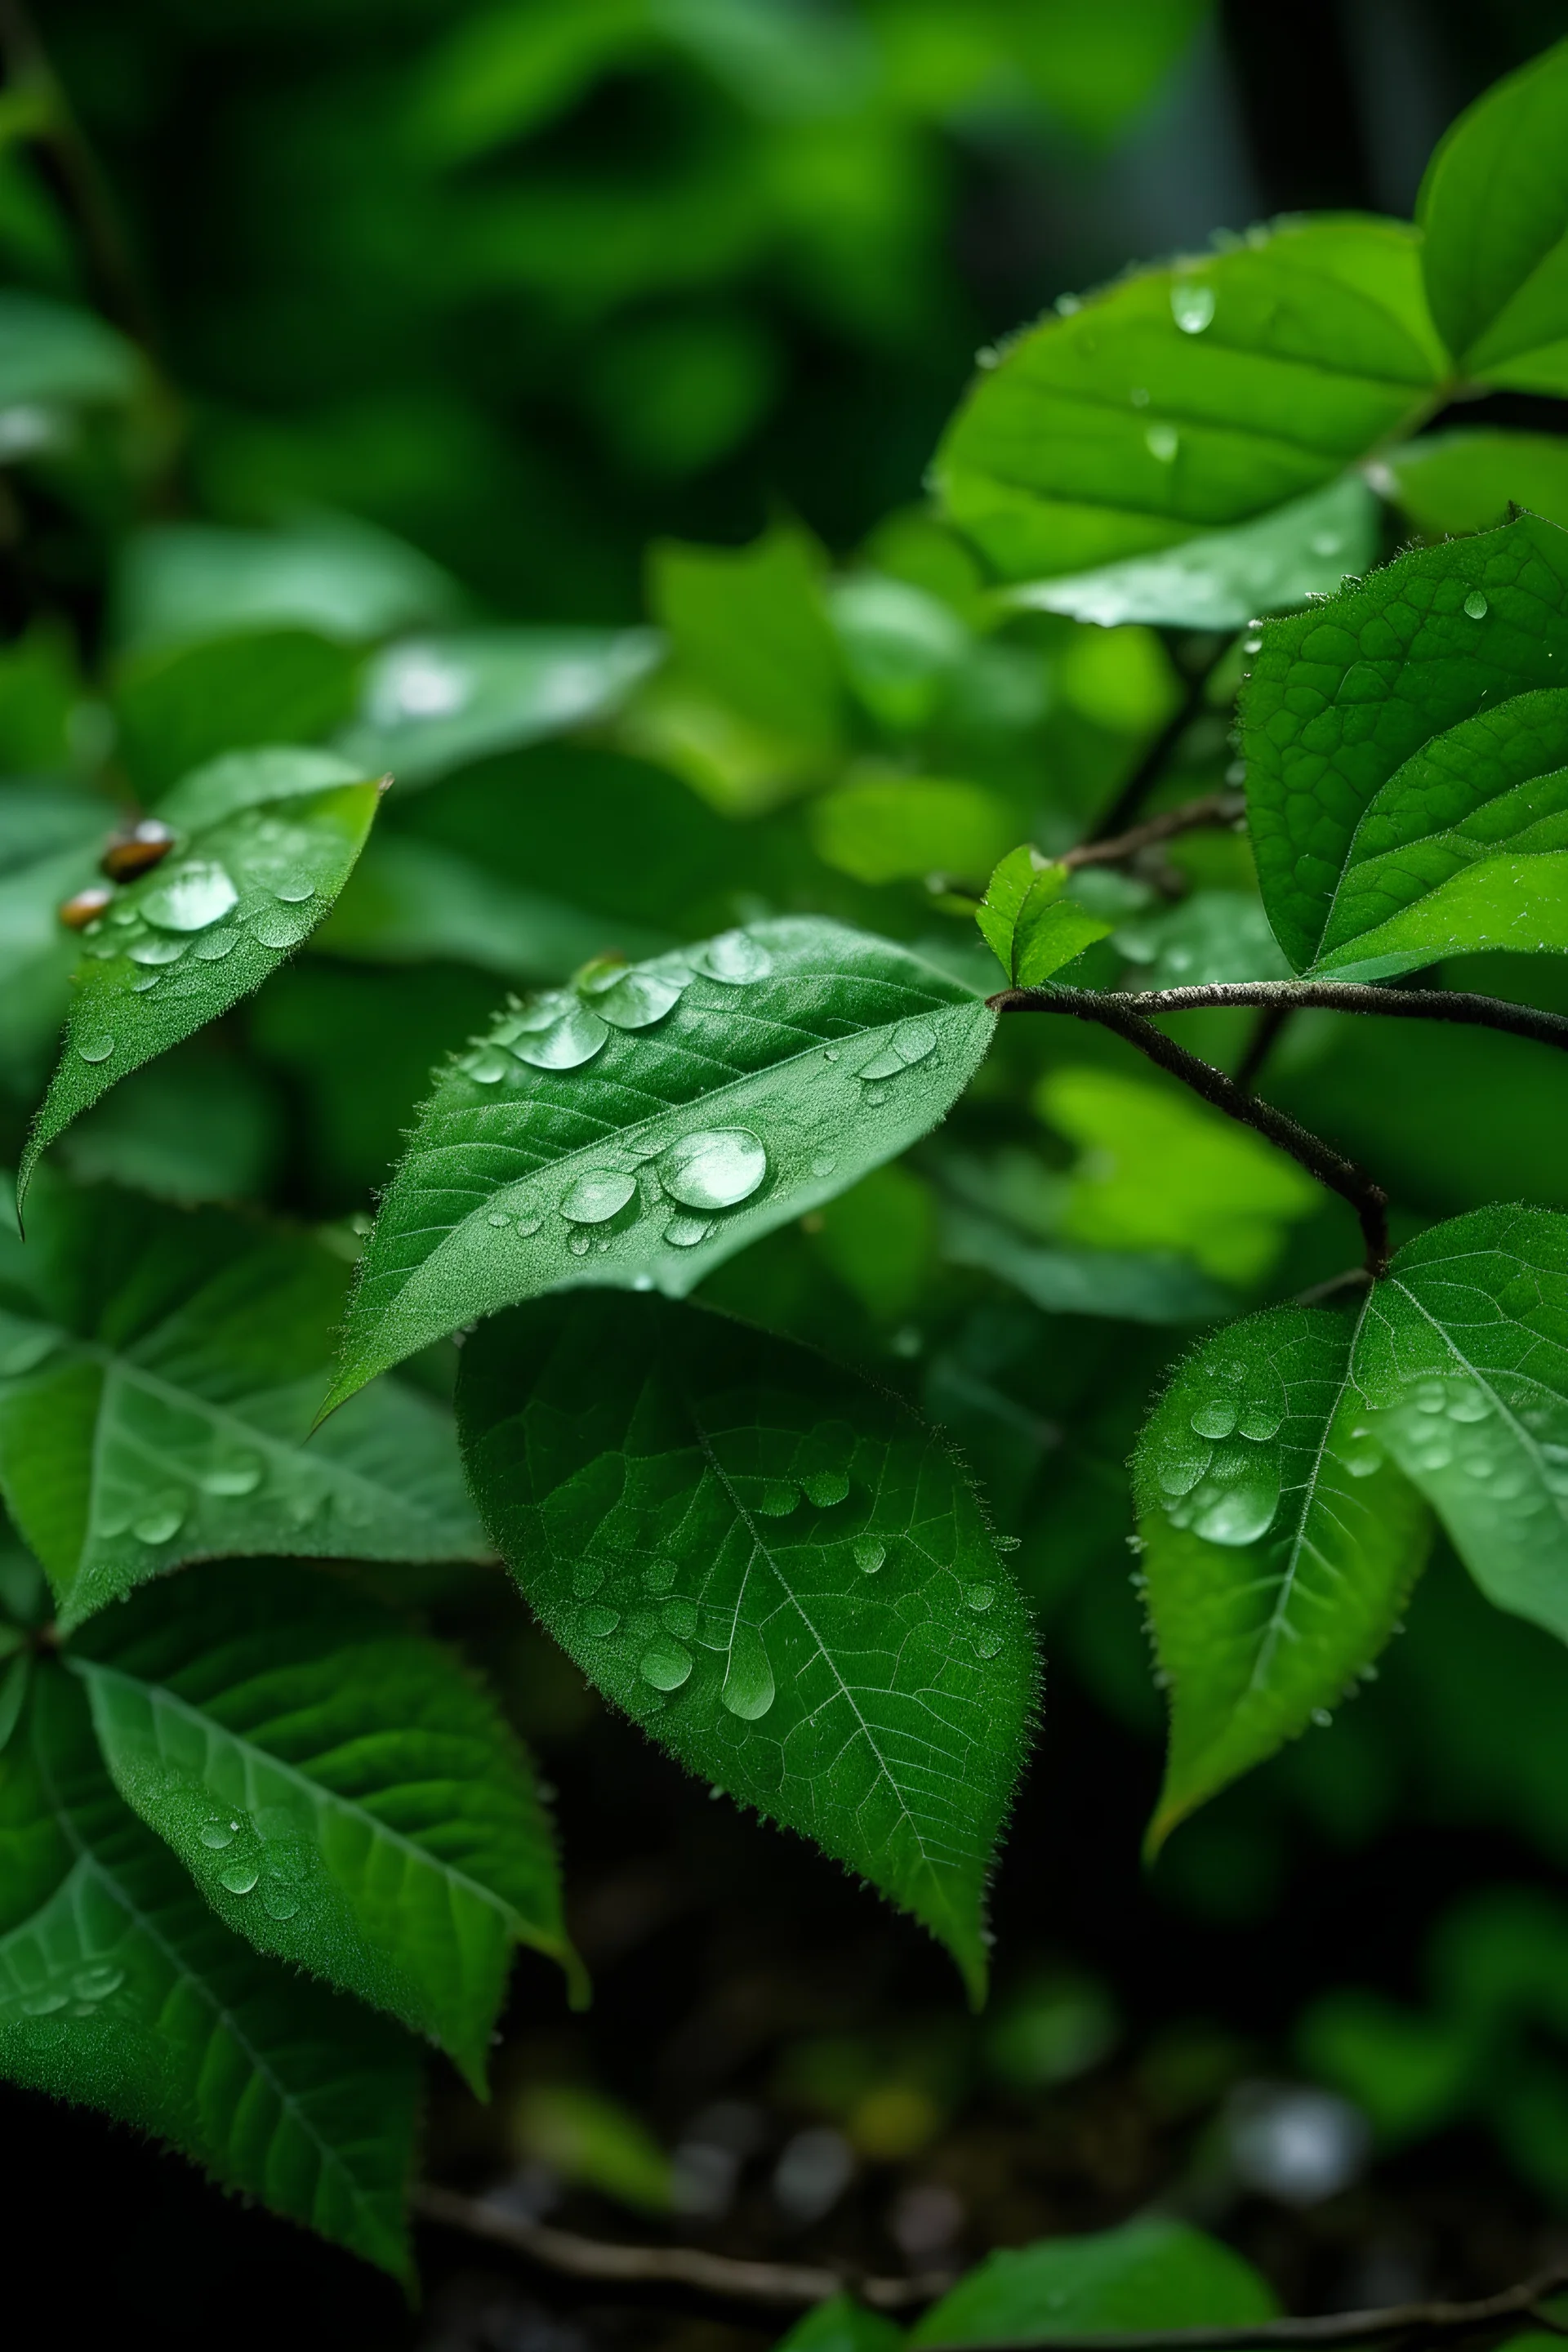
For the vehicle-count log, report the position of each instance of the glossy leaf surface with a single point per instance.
(49, 836)
(1148, 2274)
(780, 1572)
(646, 1129)
(1193, 397)
(339, 1790)
(158, 1371)
(1407, 759)
(1466, 480)
(264, 842)
(120, 1988)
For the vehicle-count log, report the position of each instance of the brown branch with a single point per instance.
(1152, 764)
(1459, 1005)
(1208, 809)
(1125, 1016)
(794, 2286)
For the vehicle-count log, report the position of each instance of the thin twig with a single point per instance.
(1125, 1016)
(1151, 766)
(793, 2286)
(1265, 1036)
(1450, 2322)
(1358, 996)
(1208, 809)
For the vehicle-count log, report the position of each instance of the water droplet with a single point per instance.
(238, 1877)
(911, 1042)
(498, 1217)
(97, 1047)
(241, 1476)
(281, 1902)
(155, 949)
(596, 1195)
(1430, 1396)
(42, 2004)
(636, 999)
(1260, 1420)
(980, 1597)
(735, 957)
(86, 908)
(293, 891)
(713, 1169)
(599, 1624)
(188, 899)
(159, 1524)
(573, 1038)
(748, 1690)
(1191, 305)
(831, 1053)
(824, 1164)
(98, 1982)
(1476, 605)
(824, 1488)
(1466, 1403)
(1321, 1717)
(212, 947)
(529, 1226)
(1216, 1417)
(870, 1554)
(659, 1576)
(275, 926)
(777, 1499)
(876, 1097)
(151, 980)
(685, 1232)
(987, 1645)
(1251, 646)
(1162, 441)
(1181, 1468)
(579, 1243)
(586, 1579)
(218, 1834)
(1240, 1513)
(679, 1617)
(665, 1663)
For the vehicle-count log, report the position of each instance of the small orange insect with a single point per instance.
(137, 850)
(84, 908)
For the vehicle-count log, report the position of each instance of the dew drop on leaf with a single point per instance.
(1216, 1417)
(659, 1576)
(1476, 605)
(778, 1499)
(529, 1226)
(238, 1877)
(987, 1645)
(1260, 1420)
(748, 1689)
(599, 1193)
(218, 1834)
(586, 1579)
(1240, 1513)
(1191, 305)
(486, 1067)
(713, 1169)
(212, 947)
(679, 1617)
(96, 1048)
(824, 1488)
(870, 1554)
(156, 948)
(599, 1623)
(980, 1597)
(281, 1902)
(98, 1982)
(636, 999)
(199, 893)
(238, 1478)
(824, 1164)
(159, 1525)
(498, 1218)
(43, 2004)
(1162, 441)
(571, 1039)
(578, 1242)
(665, 1663)
(737, 958)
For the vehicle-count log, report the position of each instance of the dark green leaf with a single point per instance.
(52, 357)
(345, 579)
(842, 2324)
(1467, 479)
(432, 704)
(1223, 579)
(1193, 397)
(780, 1572)
(1407, 745)
(340, 1790)
(1150, 2273)
(1494, 208)
(157, 1374)
(179, 706)
(264, 842)
(645, 1130)
(120, 1988)
(1278, 1545)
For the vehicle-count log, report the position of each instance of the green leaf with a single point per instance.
(433, 703)
(1221, 580)
(1207, 936)
(157, 1372)
(1463, 1355)
(842, 2324)
(646, 1128)
(49, 839)
(1029, 926)
(412, 901)
(780, 1572)
(1067, 1278)
(901, 648)
(119, 1987)
(1405, 752)
(901, 829)
(340, 1790)
(1494, 208)
(1160, 1170)
(1150, 2273)
(54, 357)
(1467, 479)
(1193, 397)
(1278, 1545)
(588, 2140)
(343, 578)
(179, 706)
(264, 842)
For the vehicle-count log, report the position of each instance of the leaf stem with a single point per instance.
(1127, 1017)
(1209, 808)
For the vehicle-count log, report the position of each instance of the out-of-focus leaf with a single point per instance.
(179, 706)
(1150, 2273)
(199, 1124)
(503, 71)
(901, 647)
(842, 2324)
(339, 1790)
(1405, 751)
(647, 1126)
(433, 703)
(1162, 1172)
(901, 829)
(779, 1571)
(1466, 480)
(158, 1370)
(119, 1987)
(880, 1238)
(1224, 578)
(1193, 397)
(54, 359)
(51, 836)
(264, 842)
(596, 2143)
(1213, 935)
(1152, 1286)
(1494, 210)
(340, 577)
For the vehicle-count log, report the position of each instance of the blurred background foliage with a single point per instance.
(590, 315)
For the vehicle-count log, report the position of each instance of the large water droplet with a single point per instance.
(578, 1242)
(679, 1617)
(573, 1038)
(980, 1597)
(824, 1488)
(1476, 605)
(665, 1663)
(1181, 1466)
(238, 1877)
(241, 1476)
(95, 1983)
(597, 1195)
(1162, 441)
(155, 949)
(97, 1047)
(659, 1576)
(219, 1833)
(911, 1042)
(1191, 305)
(748, 1690)
(735, 957)
(281, 1902)
(598, 1622)
(586, 1579)
(1468, 1403)
(277, 928)
(529, 1226)
(988, 1644)
(636, 999)
(1260, 1419)
(160, 1523)
(1240, 1513)
(870, 1554)
(293, 890)
(777, 1499)
(714, 1168)
(188, 899)
(1216, 1417)
(685, 1232)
